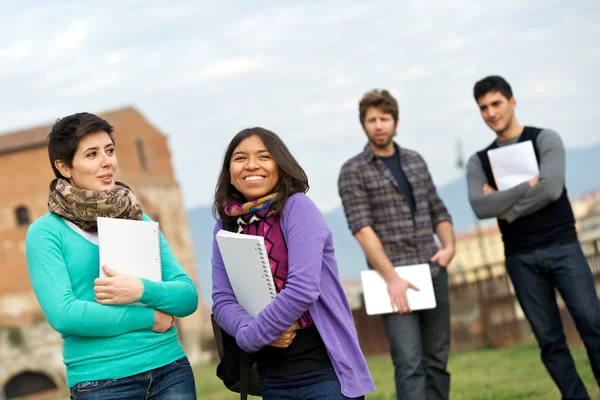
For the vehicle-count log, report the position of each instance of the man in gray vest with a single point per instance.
(541, 247)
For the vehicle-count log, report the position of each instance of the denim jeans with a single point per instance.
(328, 390)
(420, 343)
(535, 276)
(174, 381)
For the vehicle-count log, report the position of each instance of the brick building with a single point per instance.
(145, 165)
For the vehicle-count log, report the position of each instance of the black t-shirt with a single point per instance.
(395, 167)
(306, 353)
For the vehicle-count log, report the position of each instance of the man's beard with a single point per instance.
(384, 144)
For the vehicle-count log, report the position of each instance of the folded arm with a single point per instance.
(65, 313)
(551, 179)
(494, 204)
(176, 294)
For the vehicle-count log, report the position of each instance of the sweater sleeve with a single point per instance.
(176, 294)
(305, 232)
(551, 178)
(494, 204)
(64, 312)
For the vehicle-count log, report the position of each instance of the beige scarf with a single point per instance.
(82, 207)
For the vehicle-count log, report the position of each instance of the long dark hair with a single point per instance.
(292, 178)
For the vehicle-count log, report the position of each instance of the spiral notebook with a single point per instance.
(377, 299)
(248, 269)
(130, 247)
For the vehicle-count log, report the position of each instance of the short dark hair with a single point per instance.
(292, 178)
(381, 99)
(67, 133)
(493, 83)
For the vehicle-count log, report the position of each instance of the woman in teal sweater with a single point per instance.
(112, 348)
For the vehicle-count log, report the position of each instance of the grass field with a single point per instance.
(481, 374)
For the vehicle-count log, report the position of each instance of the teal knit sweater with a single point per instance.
(103, 341)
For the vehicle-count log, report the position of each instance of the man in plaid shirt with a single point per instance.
(393, 210)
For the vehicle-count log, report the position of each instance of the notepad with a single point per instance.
(248, 269)
(377, 299)
(513, 164)
(130, 247)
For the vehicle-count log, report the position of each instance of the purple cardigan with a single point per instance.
(313, 285)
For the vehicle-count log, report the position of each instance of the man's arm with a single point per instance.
(437, 209)
(493, 204)
(442, 222)
(356, 206)
(551, 178)
(355, 201)
(375, 253)
(445, 233)
(397, 287)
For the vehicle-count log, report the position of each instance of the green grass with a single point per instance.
(492, 374)
(489, 374)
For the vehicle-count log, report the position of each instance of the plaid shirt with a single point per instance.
(371, 197)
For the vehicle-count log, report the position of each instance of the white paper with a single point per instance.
(248, 269)
(377, 299)
(130, 247)
(513, 164)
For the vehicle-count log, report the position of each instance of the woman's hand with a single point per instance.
(162, 322)
(286, 337)
(117, 288)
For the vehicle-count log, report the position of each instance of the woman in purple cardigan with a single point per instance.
(304, 341)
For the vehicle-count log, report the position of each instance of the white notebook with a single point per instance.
(130, 247)
(248, 268)
(513, 164)
(377, 299)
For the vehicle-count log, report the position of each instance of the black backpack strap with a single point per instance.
(244, 375)
(218, 337)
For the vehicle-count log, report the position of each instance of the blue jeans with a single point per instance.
(535, 276)
(420, 343)
(329, 390)
(174, 381)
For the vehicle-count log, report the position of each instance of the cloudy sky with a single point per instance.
(202, 71)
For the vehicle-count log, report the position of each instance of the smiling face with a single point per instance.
(497, 111)
(94, 165)
(252, 169)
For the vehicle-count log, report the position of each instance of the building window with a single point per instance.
(22, 216)
(141, 153)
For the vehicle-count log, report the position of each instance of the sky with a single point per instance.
(202, 71)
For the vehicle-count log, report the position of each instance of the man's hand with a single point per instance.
(443, 256)
(286, 338)
(162, 322)
(487, 189)
(397, 288)
(534, 181)
(117, 288)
